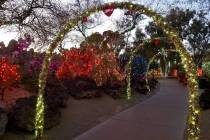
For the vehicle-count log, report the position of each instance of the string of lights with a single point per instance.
(193, 118)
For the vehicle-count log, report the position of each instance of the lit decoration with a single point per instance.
(156, 42)
(163, 53)
(77, 62)
(138, 67)
(174, 73)
(109, 9)
(85, 19)
(189, 66)
(8, 75)
(106, 68)
(24, 43)
(36, 63)
(200, 72)
(39, 118)
(155, 73)
(123, 59)
(150, 62)
(87, 62)
(206, 69)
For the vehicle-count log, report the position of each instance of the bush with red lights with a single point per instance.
(8, 75)
(90, 62)
(77, 62)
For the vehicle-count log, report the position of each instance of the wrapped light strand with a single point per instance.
(193, 126)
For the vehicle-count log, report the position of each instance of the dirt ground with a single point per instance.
(205, 125)
(81, 115)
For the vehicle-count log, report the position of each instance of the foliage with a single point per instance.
(206, 68)
(99, 65)
(8, 74)
(77, 62)
(195, 28)
(155, 73)
(29, 61)
(123, 60)
(24, 43)
(154, 65)
(107, 40)
(107, 69)
(139, 66)
(42, 18)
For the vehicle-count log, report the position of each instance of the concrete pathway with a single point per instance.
(162, 117)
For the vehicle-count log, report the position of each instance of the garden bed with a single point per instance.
(81, 115)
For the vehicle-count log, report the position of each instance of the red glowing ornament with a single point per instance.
(174, 73)
(200, 72)
(85, 19)
(109, 9)
(156, 42)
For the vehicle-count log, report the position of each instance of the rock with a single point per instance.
(142, 89)
(152, 83)
(82, 88)
(3, 121)
(114, 93)
(57, 96)
(203, 83)
(85, 84)
(23, 114)
(204, 100)
(52, 117)
(58, 99)
(115, 85)
(87, 94)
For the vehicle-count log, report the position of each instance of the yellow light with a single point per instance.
(193, 127)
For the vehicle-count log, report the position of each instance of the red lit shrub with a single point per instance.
(8, 75)
(89, 62)
(77, 62)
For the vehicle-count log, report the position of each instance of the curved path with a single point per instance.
(162, 117)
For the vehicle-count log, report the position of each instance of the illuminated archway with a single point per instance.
(193, 117)
(155, 56)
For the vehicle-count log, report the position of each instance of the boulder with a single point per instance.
(116, 85)
(23, 114)
(3, 121)
(86, 94)
(203, 83)
(81, 88)
(204, 99)
(152, 83)
(56, 96)
(142, 89)
(85, 84)
(114, 93)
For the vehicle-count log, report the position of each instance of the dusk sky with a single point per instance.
(108, 23)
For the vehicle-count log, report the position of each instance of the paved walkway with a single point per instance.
(162, 117)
